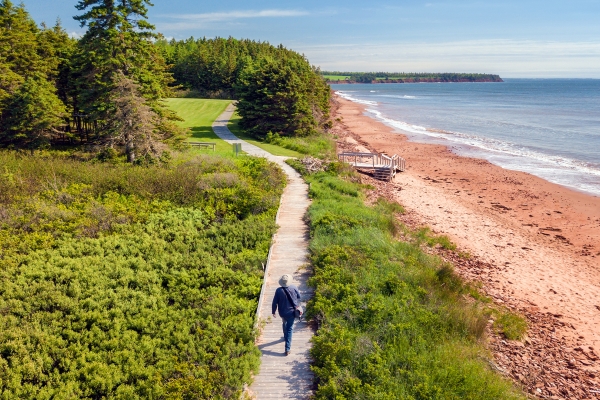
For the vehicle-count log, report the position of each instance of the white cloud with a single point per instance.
(240, 14)
(195, 21)
(509, 58)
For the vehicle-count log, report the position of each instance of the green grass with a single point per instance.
(511, 325)
(425, 235)
(336, 77)
(316, 145)
(235, 128)
(198, 115)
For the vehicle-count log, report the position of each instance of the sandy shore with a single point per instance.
(540, 241)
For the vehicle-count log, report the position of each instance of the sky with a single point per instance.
(515, 39)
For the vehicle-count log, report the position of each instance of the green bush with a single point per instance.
(511, 325)
(393, 321)
(125, 282)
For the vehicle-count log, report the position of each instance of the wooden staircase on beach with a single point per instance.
(382, 166)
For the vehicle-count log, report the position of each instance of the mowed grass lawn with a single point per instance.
(235, 128)
(199, 115)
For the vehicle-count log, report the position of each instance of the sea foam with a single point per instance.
(490, 145)
(346, 96)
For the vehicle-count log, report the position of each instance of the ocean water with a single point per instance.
(547, 127)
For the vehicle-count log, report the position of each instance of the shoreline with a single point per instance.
(538, 242)
(576, 171)
(382, 81)
(568, 204)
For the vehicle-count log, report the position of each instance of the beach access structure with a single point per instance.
(383, 167)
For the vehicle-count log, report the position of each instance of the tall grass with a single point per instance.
(394, 322)
(316, 145)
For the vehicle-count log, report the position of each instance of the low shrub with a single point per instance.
(125, 282)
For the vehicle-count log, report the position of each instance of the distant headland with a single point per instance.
(335, 77)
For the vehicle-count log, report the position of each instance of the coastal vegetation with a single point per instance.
(106, 91)
(394, 322)
(131, 281)
(131, 265)
(402, 77)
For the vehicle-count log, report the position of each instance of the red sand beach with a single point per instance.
(537, 245)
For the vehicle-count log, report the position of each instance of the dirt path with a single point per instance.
(281, 377)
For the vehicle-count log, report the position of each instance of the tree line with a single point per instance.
(369, 77)
(104, 90)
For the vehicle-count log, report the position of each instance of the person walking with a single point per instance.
(287, 300)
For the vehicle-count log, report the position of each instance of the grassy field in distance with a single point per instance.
(336, 77)
(199, 115)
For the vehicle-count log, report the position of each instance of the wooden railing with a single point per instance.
(374, 160)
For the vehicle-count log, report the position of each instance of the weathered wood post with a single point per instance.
(237, 148)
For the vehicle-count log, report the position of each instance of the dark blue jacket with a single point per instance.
(281, 302)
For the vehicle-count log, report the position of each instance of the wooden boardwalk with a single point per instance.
(281, 377)
(382, 166)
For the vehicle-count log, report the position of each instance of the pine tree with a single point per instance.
(29, 107)
(17, 48)
(9, 82)
(275, 96)
(31, 114)
(132, 124)
(118, 40)
(18, 41)
(57, 48)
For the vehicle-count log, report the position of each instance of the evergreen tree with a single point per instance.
(58, 49)
(132, 124)
(284, 96)
(118, 40)
(29, 107)
(31, 114)
(18, 40)
(9, 82)
(277, 88)
(273, 99)
(17, 48)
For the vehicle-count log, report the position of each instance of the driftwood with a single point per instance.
(314, 165)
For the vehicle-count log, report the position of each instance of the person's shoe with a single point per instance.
(287, 353)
